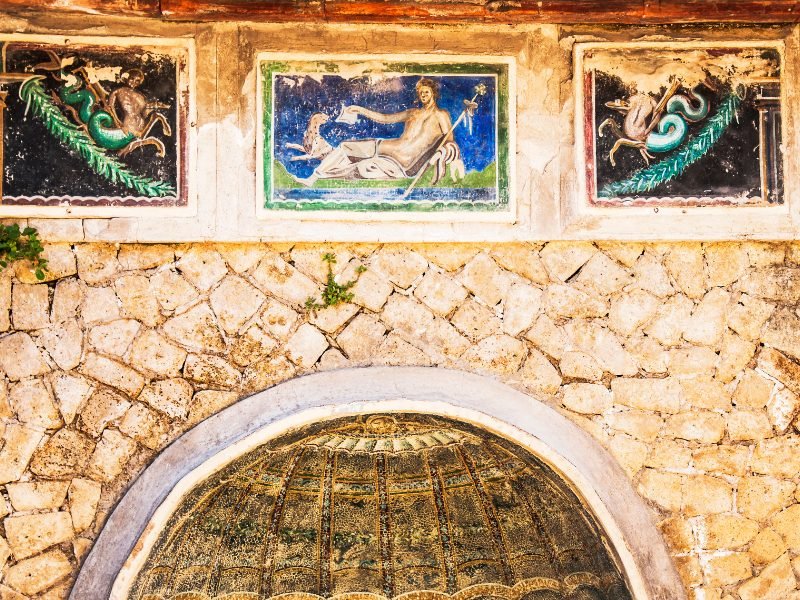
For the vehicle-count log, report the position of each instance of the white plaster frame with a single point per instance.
(186, 82)
(505, 216)
(582, 221)
(134, 525)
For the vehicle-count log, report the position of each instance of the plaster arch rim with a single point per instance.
(588, 468)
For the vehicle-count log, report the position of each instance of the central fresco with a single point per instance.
(382, 506)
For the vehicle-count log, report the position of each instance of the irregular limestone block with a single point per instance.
(563, 259)
(196, 329)
(722, 460)
(727, 569)
(20, 358)
(692, 361)
(235, 301)
(60, 263)
(153, 352)
(394, 351)
(603, 275)
(522, 260)
(624, 252)
(240, 257)
(207, 402)
(759, 497)
(30, 534)
(775, 582)
(767, 547)
(705, 392)
(587, 398)
(370, 290)
(725, 263)
(671, 320)
(30, 306)
(725, 531)
(703, 495)
(170, 396)
(779, 457)
(332, 359)
(487, 281)
(748, 316)
(331, 318)
(662, 395)
(630, 453)
(138, 299)
(100, 305)
(651, 276)
(306, 345)
(735, 354)
(450, 257)
(548, 337)
(539, 374)
(112, 373)
(748, 425)
(562, 301)
(783, 332)
(20, 444)
(136, 257)
(787, 524)
(202, 266)
(97, 263)
(782, 408)
(110, 455)
(780, 367)
(440, 293)
(145, 426)
(707, 323)
(275, 276)
(601, 344)
(71, 391)
(632, 310)
(67, 298)
(115, 337)
(685, 264)
(103, 407)
(171, 290)
(278, 319)
(476, 320)
(64, 343)
(39, 573)
(701, 426)
(579, 365)
(498, 353)
(639, 424)
(308, 258)
(263, 374)
(773, 283)
(65, 454)
(254, 344)
(37, 495)
(520, 308)
(401, 267)
(5, 303)
(753, 390)
(34, 405)
(212, 371)
(361, 337)
(665, 489)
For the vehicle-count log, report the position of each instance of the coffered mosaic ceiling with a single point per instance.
(382, 506)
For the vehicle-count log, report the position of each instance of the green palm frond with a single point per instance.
(645, 180)
(32, 92)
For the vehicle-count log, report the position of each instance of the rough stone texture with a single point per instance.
(30, 534)
(683, 360)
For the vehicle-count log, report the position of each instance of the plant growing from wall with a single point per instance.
(16, 244)
(334, 293)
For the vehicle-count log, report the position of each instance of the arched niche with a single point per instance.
(479, 403)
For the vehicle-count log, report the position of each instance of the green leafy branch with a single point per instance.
(671, 167)
(22, 245)
(334, 293)
(32, 92)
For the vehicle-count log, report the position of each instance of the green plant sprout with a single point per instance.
(22, 245)
(334, 293)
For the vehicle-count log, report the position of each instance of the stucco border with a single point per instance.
(596, 475)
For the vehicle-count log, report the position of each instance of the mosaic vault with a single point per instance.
(382, 506)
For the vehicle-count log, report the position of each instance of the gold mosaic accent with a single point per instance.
(409, 507)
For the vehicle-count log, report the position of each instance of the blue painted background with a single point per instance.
(297, 97)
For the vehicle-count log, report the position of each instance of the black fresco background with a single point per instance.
(36, 163)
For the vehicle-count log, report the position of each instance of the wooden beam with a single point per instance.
(142, 8)
(632, 12)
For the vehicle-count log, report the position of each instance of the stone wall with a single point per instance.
(679, 358)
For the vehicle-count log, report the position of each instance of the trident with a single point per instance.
(470, 106)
